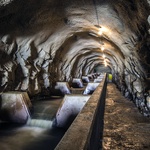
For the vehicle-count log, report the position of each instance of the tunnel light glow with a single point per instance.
(100, 32)
(105, 62)
(104, 56)
(102, 48)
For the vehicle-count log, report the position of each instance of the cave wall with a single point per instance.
(42, 42)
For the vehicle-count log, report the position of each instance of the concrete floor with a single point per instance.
(124, 127)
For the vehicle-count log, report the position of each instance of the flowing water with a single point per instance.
(37, 134)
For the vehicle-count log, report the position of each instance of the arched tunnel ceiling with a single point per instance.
(44, 41)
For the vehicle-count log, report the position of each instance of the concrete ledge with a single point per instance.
(85, 131)
(15, 107)
(69, 109)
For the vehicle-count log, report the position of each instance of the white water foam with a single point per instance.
(46, 124)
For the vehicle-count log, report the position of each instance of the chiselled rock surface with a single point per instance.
(42, 42)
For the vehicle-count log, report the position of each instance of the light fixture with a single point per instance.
(102, 48)
(105, 62)
(104, 56)
(93, 34)
(100, 32)
(97, 26)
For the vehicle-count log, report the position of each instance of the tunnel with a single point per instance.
(50, 50)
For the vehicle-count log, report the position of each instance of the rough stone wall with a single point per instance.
(42, 42)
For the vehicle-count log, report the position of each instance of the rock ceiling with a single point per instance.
(43, 41)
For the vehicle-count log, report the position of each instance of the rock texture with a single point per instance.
(42, 42)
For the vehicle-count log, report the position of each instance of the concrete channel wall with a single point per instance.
(85, 133)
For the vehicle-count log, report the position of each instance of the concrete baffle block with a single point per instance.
(97, 80)
(85, 79)
(15, 107)
(90, 88)
(77, 83)
(62, 88)
(69, 109)
(101, 76)
(90, 77)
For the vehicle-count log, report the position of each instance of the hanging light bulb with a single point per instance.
(105, 62)
(102, 48)
(104, 56)
(100, 31)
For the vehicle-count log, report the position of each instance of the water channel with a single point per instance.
(38, 133)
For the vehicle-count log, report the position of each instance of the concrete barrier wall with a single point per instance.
(86, 130)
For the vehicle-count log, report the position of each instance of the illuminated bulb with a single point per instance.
(103, 29)
(105, 63)
(104, 56)
(102, 48)
(100, 31)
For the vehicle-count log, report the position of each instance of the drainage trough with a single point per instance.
(86, 131)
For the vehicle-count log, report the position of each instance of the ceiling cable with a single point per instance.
(94, 2)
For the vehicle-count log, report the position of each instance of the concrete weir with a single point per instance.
(86, 130)
(69, 109)
(15, 107)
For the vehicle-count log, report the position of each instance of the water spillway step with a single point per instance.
(40, 123)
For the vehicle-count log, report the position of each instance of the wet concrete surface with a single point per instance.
(124, 127)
